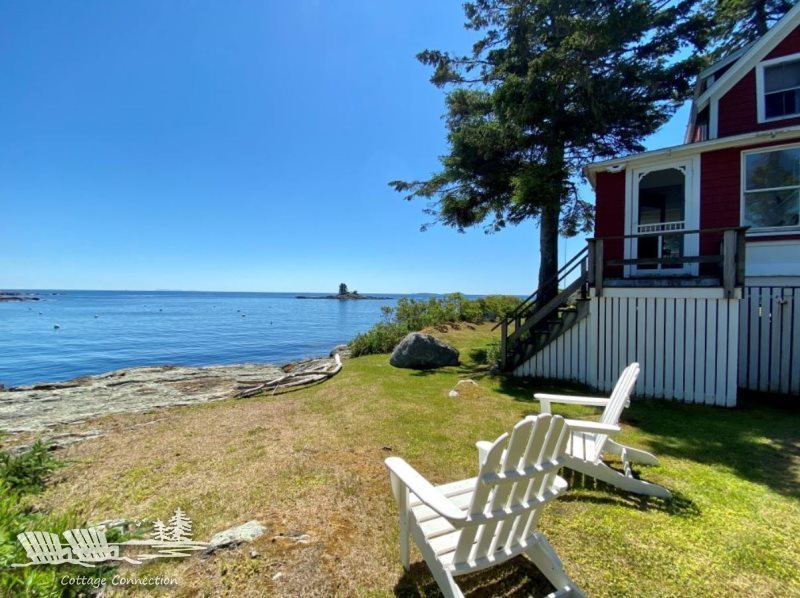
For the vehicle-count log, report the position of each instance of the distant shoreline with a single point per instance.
(17, 296)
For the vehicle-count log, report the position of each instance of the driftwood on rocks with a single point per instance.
(39, 407)
(300, 374)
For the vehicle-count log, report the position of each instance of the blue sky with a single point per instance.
(234, 146)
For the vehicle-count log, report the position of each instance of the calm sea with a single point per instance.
(107, 330)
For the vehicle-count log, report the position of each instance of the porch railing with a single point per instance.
(727, 262)
(530, 325)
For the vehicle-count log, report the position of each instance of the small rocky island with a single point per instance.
(16, 296)
(343, 294)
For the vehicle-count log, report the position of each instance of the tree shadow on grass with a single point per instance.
(758, 443)
(579, 484)
(517, 577)
(522, 389)
(475, 371)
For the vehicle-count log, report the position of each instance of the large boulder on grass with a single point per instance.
(419, 351)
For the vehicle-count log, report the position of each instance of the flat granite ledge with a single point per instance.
(40, 407)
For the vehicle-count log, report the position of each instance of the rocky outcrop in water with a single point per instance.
(344, 297)
(15, 296)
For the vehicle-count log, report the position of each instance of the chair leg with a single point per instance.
(547, 561)
(444, 578)
(633, 454)
(404, 541)
(604, 473)
(447, 584)
(402, 502)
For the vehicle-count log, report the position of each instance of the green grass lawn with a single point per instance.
(311, 461)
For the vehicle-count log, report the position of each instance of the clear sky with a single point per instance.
(234, 146)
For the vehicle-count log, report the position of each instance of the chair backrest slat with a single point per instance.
(554, 446)
(509, 487)
(621, 394)
(479, 499)
(51, 545)
(617, 402)
(523, 490)
(511, 461)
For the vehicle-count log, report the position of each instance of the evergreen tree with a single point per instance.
(180, 526)
(160, 531)
(343, 289)
(549, 86)
(739, 22)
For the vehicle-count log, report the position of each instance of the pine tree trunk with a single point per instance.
(761, 17)
(549, 223)
(548, 252)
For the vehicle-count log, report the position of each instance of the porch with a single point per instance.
(677, 313)
(669, 257)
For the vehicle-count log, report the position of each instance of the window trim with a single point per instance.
(762, 230)
(760, 104)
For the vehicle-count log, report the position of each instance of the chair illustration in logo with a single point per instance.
(86, 546)
(90, 545)
(44, 548)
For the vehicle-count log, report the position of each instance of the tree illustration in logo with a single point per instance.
(180, 526)
(160, 531)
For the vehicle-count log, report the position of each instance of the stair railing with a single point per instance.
(529, 313)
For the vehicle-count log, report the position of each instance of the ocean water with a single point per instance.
(101, 331)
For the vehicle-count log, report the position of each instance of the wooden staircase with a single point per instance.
(535, 323)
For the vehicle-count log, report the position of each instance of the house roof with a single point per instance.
(689, 149)
(724, 61)
(751, 55)
(741, 61)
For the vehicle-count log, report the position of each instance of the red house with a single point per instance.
(694, 270)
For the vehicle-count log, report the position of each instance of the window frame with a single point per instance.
(762, 230)
(760, 92)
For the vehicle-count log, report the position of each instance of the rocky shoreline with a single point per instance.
(42, 407)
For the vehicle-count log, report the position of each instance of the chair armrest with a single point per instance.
(546, 399)
(483, 449)
(423, 489)
(579, 425)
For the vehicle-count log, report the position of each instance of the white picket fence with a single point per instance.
(769, 351)
(686, 340)
(566, 358)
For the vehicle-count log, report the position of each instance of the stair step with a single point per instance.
(551, 317)
(569, 319)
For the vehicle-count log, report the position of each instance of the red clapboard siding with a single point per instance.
(610, 215)
(720, 193)
(737, 108)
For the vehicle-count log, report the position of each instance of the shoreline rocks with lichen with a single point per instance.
(40, 407)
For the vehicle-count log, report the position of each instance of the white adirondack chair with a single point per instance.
(585, 449)
(473, 524)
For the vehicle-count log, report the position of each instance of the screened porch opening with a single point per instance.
(662, 206)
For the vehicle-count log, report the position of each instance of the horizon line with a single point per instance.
(366, 293)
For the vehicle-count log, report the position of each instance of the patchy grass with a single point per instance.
(311, 461)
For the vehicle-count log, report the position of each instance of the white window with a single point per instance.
(778, 88)
(771, 188)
